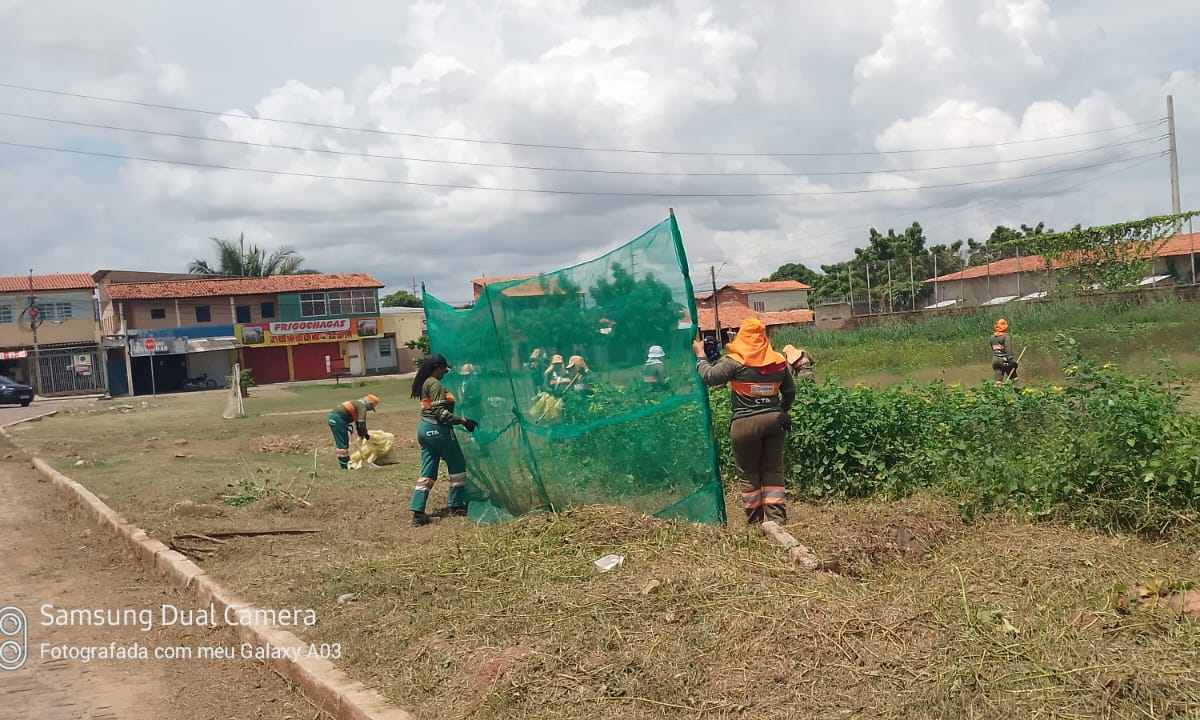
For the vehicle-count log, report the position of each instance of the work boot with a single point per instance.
(457, 511)
(420, 519)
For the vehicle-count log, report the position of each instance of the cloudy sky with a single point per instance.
(710, 79)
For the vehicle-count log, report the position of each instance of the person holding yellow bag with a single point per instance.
(762, 391)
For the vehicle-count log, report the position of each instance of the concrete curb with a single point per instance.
(321, 682)
(46, 414)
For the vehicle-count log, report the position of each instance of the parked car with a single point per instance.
(13, 392)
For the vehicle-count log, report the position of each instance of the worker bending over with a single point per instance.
(435, 435)
(351, 414)
(1003, 360)
(762, 391)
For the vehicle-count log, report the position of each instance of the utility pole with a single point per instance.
(890, 296)
(1173, 151)
(850, 287)
(936, 297)
(716, 307)
(869, 311)
(912, 283)
(1018, 271)
(34, 321)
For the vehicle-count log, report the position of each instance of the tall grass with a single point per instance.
(1050, 318)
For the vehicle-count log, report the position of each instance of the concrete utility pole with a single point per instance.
(1173, 151)
(850, 288)
(716, 307)
(869, 311)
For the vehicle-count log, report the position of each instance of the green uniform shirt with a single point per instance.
(654, 373)
(754, 390)
(1001, 349)
(437, 404)
(358, 417)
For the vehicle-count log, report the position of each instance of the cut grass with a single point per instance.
(926, 616)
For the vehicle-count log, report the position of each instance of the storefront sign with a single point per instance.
(157, 346)
(82, 364)
(14, 355)
(306, 331)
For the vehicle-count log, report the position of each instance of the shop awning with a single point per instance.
(211, 344)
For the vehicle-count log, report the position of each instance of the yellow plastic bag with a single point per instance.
(376, 450)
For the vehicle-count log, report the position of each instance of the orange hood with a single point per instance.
(751, 346)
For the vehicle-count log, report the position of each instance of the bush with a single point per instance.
(1104, 448)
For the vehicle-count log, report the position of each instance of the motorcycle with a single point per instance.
(203, 382)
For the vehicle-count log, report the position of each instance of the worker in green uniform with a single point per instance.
(762, 392)
(435, 435)
(654, 372)
(1004, 363)
(351, 414)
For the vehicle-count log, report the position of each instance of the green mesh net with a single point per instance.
(614, 422)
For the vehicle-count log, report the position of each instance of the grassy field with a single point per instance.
(918, 614)
(955, 349)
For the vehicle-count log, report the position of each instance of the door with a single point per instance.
(354, 357)
(309, 360)
(118, 383)
(267, 364)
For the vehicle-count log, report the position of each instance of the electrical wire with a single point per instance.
(542, 191)
(544, 146)
(539, 168)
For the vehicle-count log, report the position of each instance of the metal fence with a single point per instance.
(69, 371)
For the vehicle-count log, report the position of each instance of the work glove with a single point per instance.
(785, 422)
(470, 424)
(361, 430)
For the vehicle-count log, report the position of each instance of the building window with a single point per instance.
(760, 306)
(203, 313)
(339, 303)
(268, 310)
(385, 347)
(158, 313)
(243, 313)
(55, 311)
(312, 304)
(6, 313)
(362, 301)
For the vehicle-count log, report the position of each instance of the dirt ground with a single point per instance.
(915, 615)
(53, 554)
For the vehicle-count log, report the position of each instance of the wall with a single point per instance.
(217, 364)
(776, 301)
(832, 316)
(405, 326)
(975, 291)
(80, 329)
(137, 312)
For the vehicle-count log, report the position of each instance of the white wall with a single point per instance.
(775, 301)
(215, 363)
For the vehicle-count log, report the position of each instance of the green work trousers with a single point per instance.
(438, 444)
(339, 426)
(758, 443)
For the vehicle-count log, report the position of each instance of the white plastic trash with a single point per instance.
(608, 562)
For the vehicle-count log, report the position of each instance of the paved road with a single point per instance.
(52, 553)
(10, 414)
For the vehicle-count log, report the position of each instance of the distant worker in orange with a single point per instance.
(351, 414)
(799, 361)
(762, 392)
(1004, 363)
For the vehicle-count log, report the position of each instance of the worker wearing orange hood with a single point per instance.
(1003, 360)
(762, 392)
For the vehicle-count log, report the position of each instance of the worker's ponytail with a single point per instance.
(428, 365)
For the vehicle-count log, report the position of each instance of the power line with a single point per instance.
(543, 146)
(540, 168)
(543, 191)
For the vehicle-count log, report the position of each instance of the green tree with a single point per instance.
(796, 271)
(238, 260)
(1005, 242)
(401, 298)
(641, 312)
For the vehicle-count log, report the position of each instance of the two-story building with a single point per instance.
(48, 333)
(766, 296)
(281, 328)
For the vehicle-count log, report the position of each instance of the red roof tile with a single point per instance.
(492, 279)
(1173, 246)
(214, 287)
(57, 281)
(769, 286)
(734, 314)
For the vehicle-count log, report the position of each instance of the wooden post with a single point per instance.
(912, 283)
(716, 301)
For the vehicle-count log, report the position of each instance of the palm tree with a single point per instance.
(236, 260)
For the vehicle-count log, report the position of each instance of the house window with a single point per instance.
(362, 301)
(339, 303)
(243, 313)
(268, 310)
(6, 313)
(158, 313)
(385, 347)
(760, 306)
(312, 304)
(55, 311)
(203, 313)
